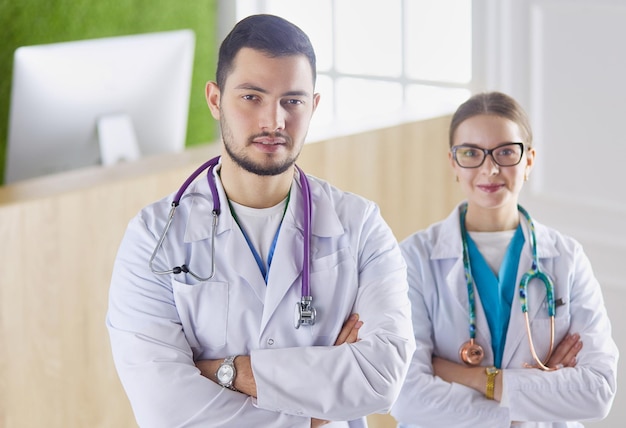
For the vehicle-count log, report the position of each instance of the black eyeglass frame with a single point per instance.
(487, 152)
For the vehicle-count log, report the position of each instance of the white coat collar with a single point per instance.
(325, 222)
(449, 244)
(546, 241)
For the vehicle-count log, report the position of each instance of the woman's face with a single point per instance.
(490, 186)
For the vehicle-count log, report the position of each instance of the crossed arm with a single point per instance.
(245, 383)
(564, 355)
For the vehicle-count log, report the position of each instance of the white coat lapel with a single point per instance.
(450, 246)
(238, 255)
(200, 222)
(483, 334)
(286, 271)
(231, 249)
(458, 288)
(287, 262)
(455, 280)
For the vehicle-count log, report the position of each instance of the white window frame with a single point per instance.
(483, 72)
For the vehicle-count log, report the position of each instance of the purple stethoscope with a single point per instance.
(305, 313)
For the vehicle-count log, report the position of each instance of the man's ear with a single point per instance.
(212, 94)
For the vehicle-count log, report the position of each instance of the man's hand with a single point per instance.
(318, 422)
(350, 330)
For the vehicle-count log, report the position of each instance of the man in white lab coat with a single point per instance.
(215, 342)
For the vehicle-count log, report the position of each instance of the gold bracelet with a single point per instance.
(491, 373)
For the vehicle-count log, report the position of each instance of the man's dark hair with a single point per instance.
(272, 35)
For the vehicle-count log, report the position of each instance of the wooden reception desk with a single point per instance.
(60, 235)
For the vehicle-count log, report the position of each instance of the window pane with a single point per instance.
(315, 19)
(405, 42)
(424, 101)
(323, 116)
(369, 37)
(359, 99)
(439, 40)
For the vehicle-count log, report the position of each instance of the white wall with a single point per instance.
(565, 60)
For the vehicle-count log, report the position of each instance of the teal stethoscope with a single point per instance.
(472, 353)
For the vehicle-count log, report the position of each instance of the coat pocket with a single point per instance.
(203, 312)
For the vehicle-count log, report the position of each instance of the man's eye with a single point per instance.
(294, 102)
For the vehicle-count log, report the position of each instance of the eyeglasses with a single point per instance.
(507, 154)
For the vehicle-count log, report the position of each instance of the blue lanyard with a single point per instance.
(259, 261)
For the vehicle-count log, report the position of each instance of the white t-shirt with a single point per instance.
(493, 246)
(260, 225)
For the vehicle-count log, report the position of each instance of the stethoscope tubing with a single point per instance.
(534, 273)
(210, 165)
(306, 269)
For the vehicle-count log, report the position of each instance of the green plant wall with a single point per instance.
(32, 22)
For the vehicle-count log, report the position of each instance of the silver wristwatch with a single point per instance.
(226, 373)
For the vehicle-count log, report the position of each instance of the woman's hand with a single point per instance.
(565, 353)
(471, 376)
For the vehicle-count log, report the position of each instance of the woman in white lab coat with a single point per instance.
(464, 282)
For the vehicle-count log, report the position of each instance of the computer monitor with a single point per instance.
(98, 102)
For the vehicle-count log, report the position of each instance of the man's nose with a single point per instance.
(272, 118)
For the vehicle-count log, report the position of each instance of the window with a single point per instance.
(380, 62)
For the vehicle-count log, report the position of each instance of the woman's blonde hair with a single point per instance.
(496, 104)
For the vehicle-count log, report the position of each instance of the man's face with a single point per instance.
(264, 110)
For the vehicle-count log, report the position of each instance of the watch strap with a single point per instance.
(229, 361)
(491, 373)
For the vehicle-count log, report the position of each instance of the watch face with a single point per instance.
(225, 374)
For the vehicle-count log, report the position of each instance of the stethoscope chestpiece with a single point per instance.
(471, 353)
(304, 313)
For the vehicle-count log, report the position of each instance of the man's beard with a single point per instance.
(248, 164)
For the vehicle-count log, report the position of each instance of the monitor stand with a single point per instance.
(117, 140)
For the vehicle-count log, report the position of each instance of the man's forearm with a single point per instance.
(244, 381)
